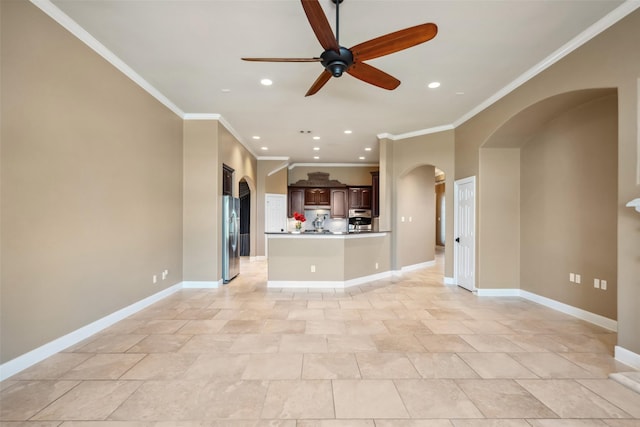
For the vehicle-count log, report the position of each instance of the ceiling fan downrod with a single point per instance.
(337, 62)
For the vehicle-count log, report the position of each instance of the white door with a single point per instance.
(275, 215)
(465, 232)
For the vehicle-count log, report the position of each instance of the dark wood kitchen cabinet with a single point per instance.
(375, 194)
(339, 203)
(359, 197)
(317, 196)
(295, 201)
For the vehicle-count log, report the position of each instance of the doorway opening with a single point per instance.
(244, 193)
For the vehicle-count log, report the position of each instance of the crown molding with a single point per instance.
(605, 22)
(284, 158)
(334, 165)
(74, 28)
(413, 134)
(200, 116)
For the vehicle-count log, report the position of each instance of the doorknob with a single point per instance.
(457, 240)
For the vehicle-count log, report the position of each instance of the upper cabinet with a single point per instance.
(360, 197)
(227, 180)
(317, 196)
(375, 194)
(339, 204)
(296, 201)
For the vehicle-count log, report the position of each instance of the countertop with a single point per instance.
(325, 233)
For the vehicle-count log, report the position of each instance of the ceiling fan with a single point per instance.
(337, 59)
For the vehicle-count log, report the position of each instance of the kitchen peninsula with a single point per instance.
(327, 260)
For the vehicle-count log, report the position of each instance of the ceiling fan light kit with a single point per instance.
(337, 59)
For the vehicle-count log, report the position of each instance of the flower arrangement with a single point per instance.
(300, 218)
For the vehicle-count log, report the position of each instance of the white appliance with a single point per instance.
(230, 238)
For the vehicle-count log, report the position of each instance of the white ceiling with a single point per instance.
(189, 51)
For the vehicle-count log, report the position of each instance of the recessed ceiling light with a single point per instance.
(433, 85)
(264, 148)
(367, 149)
(316, 148)
(266, 82)
(361, 157)
(316, 138)
(255, 137)
(347, 131)
(225, 90)
(459, 93)
(316, 157)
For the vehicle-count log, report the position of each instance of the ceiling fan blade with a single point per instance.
(394, 42)
(374, 76)
(320, 24)
(320, 81)
(282, 59)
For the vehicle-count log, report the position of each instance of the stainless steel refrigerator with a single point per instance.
(230, 238)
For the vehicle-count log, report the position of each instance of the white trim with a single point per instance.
(627, 357)
(326, 284)
(74, 28)
(415, 133)
(201, 116)
(201, 284)
(334, 165)
(26, 360)
(596, 319)
(261, 258)
(279, 168)
(418, 266)
(497, 292)
(450, 281)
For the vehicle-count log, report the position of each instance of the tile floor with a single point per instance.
(407, 351)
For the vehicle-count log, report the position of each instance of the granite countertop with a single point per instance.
(326, 233)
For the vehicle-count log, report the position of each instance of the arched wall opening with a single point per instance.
(547, 209)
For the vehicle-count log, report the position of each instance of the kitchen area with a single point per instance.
(332, 239)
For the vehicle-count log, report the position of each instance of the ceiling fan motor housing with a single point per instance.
(337, 62)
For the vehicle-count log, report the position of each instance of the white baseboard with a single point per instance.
(327, 284)
(201, 284)
(450, 281)
(26, 360)
(497, 292)
(596, 319)
(627, 357)
(417, 266)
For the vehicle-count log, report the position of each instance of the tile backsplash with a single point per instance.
(331, 224)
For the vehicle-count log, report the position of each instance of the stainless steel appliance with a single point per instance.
(359, 220)
(230, 238)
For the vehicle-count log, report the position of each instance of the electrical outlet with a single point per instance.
(155, 279)
(572, 277)
(313, 268)
(401, 219)
(376, 265)
(577, 278)
(603, 285)
(596, 283)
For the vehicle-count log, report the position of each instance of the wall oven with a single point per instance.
(359, 220)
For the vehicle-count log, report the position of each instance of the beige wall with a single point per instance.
(608, 60)
(499, 219)
(350, 175)
(415, 217)
(202, 189)
(402, 156)
(91, 185)
(569, 207)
